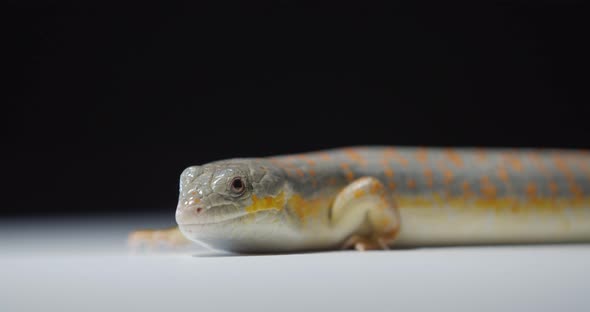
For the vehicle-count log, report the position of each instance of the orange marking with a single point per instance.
(466, 187)
(513, 161)
(404, 162)
(355, 156)
(454, 157)
(325, 156)
(305, 208)
(306, 159)
(561, 165)
(429, 177)
(503, 174)
(314, 183)
(383, 223)
(275, 161)
(448, 176)
(411, 183)
(488, 189)
(300, 172)
(359, 193)
(284, 162)
(390, 153)
(375, 188)
(347, 172)
(446, 172)
(332, 181)
(290, 158)
(392, 186)
(584, 165)
(553, 187)
(480, 155)
(576, 190)
(193, 201)
(312, 174)
(531, 190)
(422, 155)
(386, 168)
(559, 162)
(388, 172)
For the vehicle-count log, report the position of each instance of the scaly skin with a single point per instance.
(374, 197)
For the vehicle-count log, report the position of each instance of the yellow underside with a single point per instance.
(438, 221)
(499, 205)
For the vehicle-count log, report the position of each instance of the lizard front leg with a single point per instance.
(368, 205)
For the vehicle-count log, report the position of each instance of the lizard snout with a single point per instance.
(187, 214)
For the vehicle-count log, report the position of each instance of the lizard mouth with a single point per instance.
(214, 222)
(200, 215)
(240, 232)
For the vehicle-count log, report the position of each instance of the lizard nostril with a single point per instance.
(199, 209)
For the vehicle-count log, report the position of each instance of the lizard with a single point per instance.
(383, 197)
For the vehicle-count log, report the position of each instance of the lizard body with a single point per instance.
(376, 197)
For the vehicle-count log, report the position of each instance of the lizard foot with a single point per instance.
(362, 243)
(367, 198)
(156, 239)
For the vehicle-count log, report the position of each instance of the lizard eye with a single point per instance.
(237, 185)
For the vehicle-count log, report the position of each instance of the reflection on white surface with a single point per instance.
(79, 265)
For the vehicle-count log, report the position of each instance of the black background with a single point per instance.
(110, 102)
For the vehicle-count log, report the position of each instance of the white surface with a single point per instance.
(76, 265)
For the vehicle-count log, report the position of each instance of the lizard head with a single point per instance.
(232, 205)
